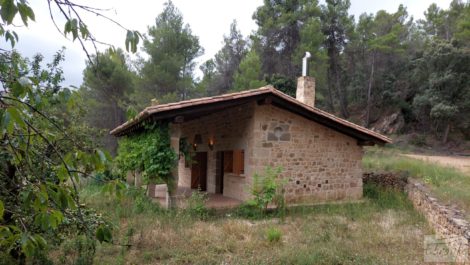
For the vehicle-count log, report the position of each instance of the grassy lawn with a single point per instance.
(384, 229)
(448, 184)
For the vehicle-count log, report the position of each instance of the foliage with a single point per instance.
(44, 152)
(226, 63)
(44, 147)
(267, 189)
(280, 34)
(107, 85)
(197, 205)
(335, 24)
(283, 84)
(444, 96)
(273, 234)
(249, 73)
(148, 152)
(172, 49)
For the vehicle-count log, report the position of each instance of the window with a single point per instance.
(234, 162)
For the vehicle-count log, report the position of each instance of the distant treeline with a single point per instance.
(367, 69)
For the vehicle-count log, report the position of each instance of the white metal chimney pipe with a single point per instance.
(305, 64)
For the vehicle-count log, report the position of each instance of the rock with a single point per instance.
(390, 124)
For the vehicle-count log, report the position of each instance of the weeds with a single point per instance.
(448, 184)
(197, 205)
(273, 234)
(354, 233)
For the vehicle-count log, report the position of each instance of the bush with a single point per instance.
(273, 234)
(197, 205)
(267, 189)
(142, 203)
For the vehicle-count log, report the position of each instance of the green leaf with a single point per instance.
(103, 234)
(71, 26)
(26, 12)
(84, 30)
(8, 11)
(12, 37)
(2, 210)
(74, 28)
(129, 39)
(16, 116)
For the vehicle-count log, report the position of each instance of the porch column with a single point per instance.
(175, 134)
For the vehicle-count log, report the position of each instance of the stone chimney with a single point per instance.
(306, 90)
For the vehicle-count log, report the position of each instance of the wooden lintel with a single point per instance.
(178, 119)
(365, 143)
(265, 101)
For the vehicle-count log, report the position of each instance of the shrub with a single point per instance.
(142, 203)
(197, 205)
(273, 234)
(267, 189)
(249, 209)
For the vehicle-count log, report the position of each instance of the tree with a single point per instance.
(168, 74)
(227, 61)
(279, 34)
(249, 73)
(336, 23)
(107, 85)
(445, 95)
(43, 151)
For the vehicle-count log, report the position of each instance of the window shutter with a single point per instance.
(239, 162)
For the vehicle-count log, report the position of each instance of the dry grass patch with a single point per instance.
(450, 185)
(384, 229)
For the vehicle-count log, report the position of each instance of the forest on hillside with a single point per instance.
(385, 71)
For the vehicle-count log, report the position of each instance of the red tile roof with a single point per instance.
(155, 111)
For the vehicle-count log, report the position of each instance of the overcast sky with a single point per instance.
(209, 19)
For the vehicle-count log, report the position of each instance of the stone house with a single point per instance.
(236, 135)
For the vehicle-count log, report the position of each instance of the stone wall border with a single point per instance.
(447, 221)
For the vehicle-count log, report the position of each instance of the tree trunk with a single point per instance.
(369, 92)
(330, 90)
(446, 134)
(343, 103)
(172, 191)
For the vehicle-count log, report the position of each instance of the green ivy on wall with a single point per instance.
(148, 152)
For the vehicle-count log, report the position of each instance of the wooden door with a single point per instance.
(199, 171)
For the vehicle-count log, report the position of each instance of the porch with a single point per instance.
(215, 200)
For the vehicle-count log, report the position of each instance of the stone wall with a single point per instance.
(447, 221)
(319, 163)
(230, 129)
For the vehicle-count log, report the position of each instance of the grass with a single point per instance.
(448, 184)
(384, 229)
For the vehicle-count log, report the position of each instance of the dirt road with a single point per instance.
(460, 162)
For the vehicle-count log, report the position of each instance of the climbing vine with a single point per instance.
(148, 152)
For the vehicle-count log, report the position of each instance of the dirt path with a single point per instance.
(459, 162)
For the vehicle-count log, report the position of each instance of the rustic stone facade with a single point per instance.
(319, 163)
(230, 129)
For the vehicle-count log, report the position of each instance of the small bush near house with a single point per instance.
(273, 234)
(197, 205)
(268, 189)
